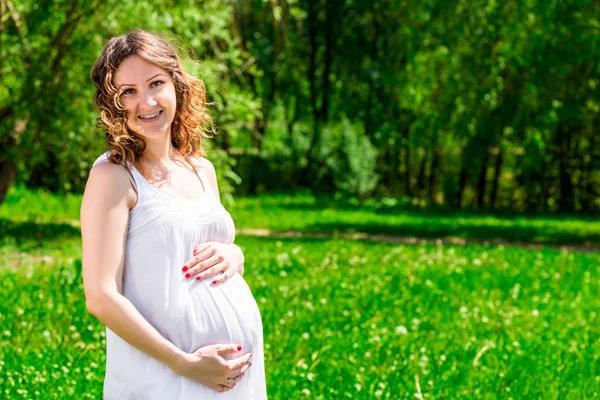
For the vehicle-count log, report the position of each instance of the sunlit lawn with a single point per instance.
(342, 319)
(308, 214)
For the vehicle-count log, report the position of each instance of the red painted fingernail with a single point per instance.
(198, 278)
(239, 348)
(188, 275)
(214, 282)
(184, 269)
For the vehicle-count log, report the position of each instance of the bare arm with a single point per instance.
(105, 209)
(104, 218)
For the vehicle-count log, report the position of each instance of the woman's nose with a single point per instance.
(149, 100)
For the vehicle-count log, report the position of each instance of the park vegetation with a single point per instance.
(425, 176)
(474, 105)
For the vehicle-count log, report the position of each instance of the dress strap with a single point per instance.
(202, 175)
(138, 179)
(101, 159)
(207, 186)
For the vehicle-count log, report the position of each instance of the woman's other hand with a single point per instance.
(214, 260)
(208, 367)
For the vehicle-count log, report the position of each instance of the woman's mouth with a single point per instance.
(151, 117)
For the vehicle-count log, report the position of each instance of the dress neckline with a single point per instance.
(205, 193)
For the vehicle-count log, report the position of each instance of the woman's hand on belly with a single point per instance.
(218, 261)
(208, 367)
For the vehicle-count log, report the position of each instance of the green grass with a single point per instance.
(342, 319)
(39, 205)
(346, 320)
(308, 214)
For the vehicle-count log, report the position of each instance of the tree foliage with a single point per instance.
(493, 104)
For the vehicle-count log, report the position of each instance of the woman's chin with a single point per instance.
(152, 133)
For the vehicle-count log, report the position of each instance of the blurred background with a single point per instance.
(476, 105)
(415, 186)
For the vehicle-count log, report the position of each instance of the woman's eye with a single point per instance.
(157, 83)
(128, 91)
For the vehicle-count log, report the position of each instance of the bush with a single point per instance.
(349, 158)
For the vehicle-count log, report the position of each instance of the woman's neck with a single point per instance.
(160, 151)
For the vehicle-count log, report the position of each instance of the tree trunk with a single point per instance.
(330, 15)
(7, 175)
(564, 177)
(407, 169)
(462, 184)
(481, 180)
(587, 182)
(312, 59)
(311, 168)
(394, 171)
(422, 173)
(373, 57)
(224, 141)
(546, 183)
(433, 173)
(496, 181)
(258, 132)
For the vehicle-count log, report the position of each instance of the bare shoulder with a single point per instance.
(211, 174)
(109, 184)
(206, 164)
(209, 169)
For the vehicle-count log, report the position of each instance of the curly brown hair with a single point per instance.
(191, 123)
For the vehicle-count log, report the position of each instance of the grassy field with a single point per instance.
(307, 214)
(342, 319)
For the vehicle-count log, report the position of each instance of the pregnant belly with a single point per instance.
(191, 315)
(194, 314)
(219, 314)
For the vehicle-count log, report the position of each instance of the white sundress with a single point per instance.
(163, 232)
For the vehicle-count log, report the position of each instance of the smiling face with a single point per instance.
(148, 96)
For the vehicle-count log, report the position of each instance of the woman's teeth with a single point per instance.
(148, 116)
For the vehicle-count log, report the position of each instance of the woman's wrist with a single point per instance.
(175, 358)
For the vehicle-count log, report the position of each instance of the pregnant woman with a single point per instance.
(160, 268)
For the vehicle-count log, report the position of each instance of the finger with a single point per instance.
(216, 271)
(198, 257)
(238, 362)
(200, 248)
(233, 380)
(241, 370)
(245, 367)
(223, 388)
(202, 266)
(205, 253)
(227, 272)
(228, 348)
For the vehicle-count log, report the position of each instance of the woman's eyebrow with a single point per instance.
(149, 79)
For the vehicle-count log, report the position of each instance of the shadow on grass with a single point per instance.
(27, 233)
(435, 230)
(438, 211)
